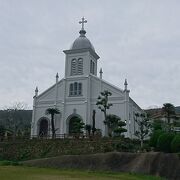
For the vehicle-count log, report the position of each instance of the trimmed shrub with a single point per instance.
(154, 138)
(124, 146)
(164, 142)
(175, 144)
(146, 147)
(9, 163)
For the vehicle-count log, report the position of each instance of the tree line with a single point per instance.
(15, 121)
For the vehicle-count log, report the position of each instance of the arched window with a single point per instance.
(80, 66)
(73, 67)
(75, 89)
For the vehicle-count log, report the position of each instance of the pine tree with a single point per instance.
(103, 103)
(144, 127)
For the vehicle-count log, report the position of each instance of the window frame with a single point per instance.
(75, 89)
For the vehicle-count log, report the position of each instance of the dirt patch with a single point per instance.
(158, 164)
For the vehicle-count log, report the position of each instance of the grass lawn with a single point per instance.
(32, 173)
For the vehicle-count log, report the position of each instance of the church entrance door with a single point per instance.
(43, 128)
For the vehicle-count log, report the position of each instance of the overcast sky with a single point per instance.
(138, 40)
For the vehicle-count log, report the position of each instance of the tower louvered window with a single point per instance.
(75, 89)
(80, 66)
(92, 67)
(73, 67)
(76, 66)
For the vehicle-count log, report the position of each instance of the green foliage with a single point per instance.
(175, 144)
(102, 102)
(124, 146)
(14, 119)
(144, 126)
(146, 147)
(88, 128)
(169, 113)
(119, 129)
(77, 126)
(115, 125)
(2, 132)
(42, 148)
(93, 122)
(52, 112)
(29, 173)
(98, 133)
(154, 137)
(164, 142)
(157, 125)
(9, 163)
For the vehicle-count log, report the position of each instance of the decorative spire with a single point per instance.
(57, 77)
(36, 91)
(101, 72)
(125, 85)
(82, 32)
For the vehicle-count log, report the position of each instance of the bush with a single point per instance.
(164, 142)
(124, 147)
(9, 163)
(175, 144)
(146, 147)
(154, 138)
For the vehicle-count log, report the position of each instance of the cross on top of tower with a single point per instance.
(83, 21)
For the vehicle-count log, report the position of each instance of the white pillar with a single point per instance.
(126, 103)
(33, 125)
(56, 90)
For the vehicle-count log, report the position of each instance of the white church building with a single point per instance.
(76, 94)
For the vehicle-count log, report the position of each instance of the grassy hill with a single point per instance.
(165, 165)
(29, 173)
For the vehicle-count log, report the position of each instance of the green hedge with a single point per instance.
(154, 138)
(34, 149)
(175, 144)
(164, 142)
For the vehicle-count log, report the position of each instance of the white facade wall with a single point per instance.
(82, 105)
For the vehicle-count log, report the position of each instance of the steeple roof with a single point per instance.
(82, 41)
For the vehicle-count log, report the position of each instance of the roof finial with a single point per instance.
(82, 22)
(57, 77)
(82, 31)
(36, 91)
(125, 85)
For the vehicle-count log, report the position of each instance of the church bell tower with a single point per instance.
(81, 58)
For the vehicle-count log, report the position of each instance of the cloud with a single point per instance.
(137, 40)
